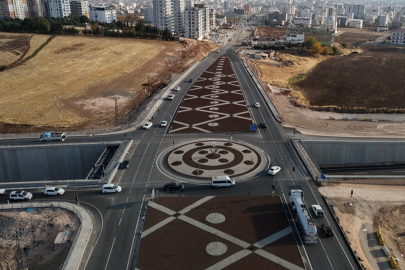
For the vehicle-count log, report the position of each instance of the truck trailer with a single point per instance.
(305, 223)
(52, 136)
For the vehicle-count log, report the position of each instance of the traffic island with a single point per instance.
(227, 232)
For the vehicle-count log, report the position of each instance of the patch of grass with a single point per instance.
(38, 50)
(296, 79)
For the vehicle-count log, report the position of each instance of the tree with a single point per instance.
(43, 24)
(317, 47)
(310, 41)
(167, 34)
(56, 27)
(84, 19)
(327, 50)
(335, 50)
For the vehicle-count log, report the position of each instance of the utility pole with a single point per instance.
(116, 109)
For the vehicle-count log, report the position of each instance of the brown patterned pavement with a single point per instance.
(214, 103)
(179, 241)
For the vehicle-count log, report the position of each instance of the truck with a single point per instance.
(52, 136)
(306, 225)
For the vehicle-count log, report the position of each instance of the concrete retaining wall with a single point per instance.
(335, 153)
(48, 161)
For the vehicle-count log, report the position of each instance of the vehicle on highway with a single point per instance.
(317, 210)
(147, 125)
(257, 105)
(124, 164)
(263, 125)
(327, 230)
(170, 97)
(55, 191)
(163, 124)
(273, 170)
(52, 136)
(177, 88)
(173, 186)
(20, 195)
(111, 188)
(222, 181)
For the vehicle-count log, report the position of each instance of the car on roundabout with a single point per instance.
(148, 125)
(54, 191)
(274, 170)
(173, 186)
(163, 124)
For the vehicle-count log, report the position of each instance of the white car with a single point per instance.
(54, 191)
(163, 124)
(20, 196)
(147, 125)
(170, 97)
(257, 105)
(177, 88)
(111, 188)
(273, 170)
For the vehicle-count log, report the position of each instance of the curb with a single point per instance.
(82, 237)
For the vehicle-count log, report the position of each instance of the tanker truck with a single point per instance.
(302, 217)
(52, 136)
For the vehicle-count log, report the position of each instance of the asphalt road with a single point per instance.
(115, 242)
(366, 170)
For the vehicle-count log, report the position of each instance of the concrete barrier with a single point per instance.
(393, 263)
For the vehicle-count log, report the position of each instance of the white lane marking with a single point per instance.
(123, 210)
(119, 180)
(140, 163)
(136, 227)
(119, 223)
(106, 264)
(128, 198)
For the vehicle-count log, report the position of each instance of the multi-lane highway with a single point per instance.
(115, 242)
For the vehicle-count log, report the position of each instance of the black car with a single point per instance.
(262, 125)
(173, 185)
(327, 230)
(124, 164)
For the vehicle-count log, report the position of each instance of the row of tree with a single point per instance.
(56, 26)
(314, 44)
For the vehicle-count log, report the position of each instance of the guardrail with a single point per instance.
(263, 92)
(307, 159)
(341, 230)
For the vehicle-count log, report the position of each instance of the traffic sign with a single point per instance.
(252, 127)
(323, 176)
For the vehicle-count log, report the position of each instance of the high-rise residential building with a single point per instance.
(102, 13)
(193, 23)
(57, 8)
(246, 8)
(148, 14)
(13, 9)
(163, 14)
(359, 11)
(178, 16)
(226, 5)
(35, 8)
(79, 8)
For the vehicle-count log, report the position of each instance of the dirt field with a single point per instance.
(356, 83)
(12, 47)
(38, 245)
(373, 207)
(354, 37)
(69, 84)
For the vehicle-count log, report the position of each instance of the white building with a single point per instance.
(398, 36)
(382, 20)
(58, 8)
(79, 8)
(104, 14)
(356, 23)
(178, 16)
(295, 39)
(13, 9)
(330, 24)
(163, 14)
(306, 22)
(35, 8)
(193, 23)
(148, 14)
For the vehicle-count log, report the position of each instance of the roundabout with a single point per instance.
(199, 161)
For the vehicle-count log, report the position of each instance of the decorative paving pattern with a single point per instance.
(214, 103)
(202, 160)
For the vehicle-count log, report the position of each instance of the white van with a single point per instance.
(111, 188)
(222, 181)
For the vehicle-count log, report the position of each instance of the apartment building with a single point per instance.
(57, 8)
(148, 14)
(193, 23)
(13, 9)
(103, 13)
(163, 14)
(35, 8)
(359, 11)
(178, 16)
(398, 36)
(79, 8)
